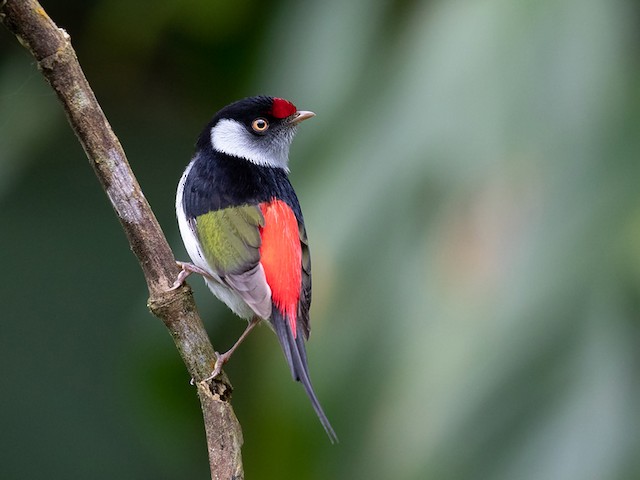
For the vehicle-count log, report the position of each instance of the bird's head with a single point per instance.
(257, 129)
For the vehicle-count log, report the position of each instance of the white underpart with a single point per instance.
(232, 138)
(189, 236)
(252, 285)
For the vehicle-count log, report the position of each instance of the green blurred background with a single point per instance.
(471, 190)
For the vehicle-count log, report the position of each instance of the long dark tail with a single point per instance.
(296, 355)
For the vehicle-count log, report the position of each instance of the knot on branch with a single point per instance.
(217, 389)
(64, 53)
(165, 303)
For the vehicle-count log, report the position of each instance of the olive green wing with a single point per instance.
(230, 243)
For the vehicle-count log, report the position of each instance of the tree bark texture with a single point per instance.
(56, 58)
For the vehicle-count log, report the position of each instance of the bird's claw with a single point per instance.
(187, 269)
(221, 359)
(182, 276)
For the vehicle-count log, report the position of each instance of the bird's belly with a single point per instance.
(229, 297)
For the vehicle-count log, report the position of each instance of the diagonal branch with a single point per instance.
(51, 47)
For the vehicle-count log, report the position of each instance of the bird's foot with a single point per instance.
(221, 359)
(187, 269)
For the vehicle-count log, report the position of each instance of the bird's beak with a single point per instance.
(301, 115)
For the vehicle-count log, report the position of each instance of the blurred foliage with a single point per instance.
(470, 189)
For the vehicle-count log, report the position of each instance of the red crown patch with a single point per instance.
(282, 108)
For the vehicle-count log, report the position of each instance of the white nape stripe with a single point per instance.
(232, 138)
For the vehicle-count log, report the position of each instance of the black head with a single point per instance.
(259, 129)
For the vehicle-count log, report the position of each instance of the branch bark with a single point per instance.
(51, 47)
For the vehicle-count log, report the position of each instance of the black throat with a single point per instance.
(218, 181)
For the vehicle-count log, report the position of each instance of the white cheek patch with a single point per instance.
(231, 137)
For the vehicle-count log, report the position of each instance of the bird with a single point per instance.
(242, 226)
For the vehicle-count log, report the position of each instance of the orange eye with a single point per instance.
(260, 125)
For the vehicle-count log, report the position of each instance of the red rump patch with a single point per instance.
(281, 258)
(282, 108)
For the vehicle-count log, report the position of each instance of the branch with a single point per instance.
(51, 47)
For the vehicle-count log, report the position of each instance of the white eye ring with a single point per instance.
(260, 125)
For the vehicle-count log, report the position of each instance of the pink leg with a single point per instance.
(187, 269)
(224, 358)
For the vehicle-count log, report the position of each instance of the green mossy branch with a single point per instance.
(56, 58)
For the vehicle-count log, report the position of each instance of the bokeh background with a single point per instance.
(471, 190)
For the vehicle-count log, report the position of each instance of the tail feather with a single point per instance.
(296, 355)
